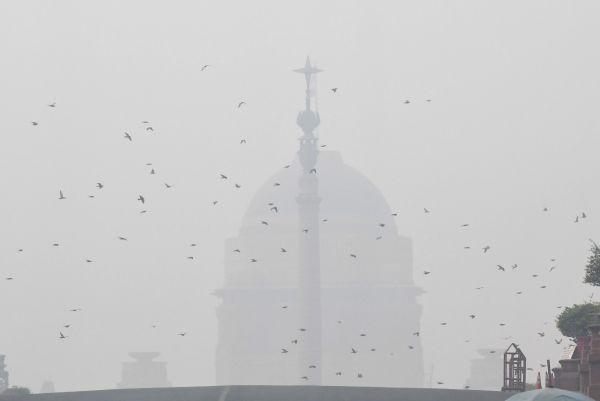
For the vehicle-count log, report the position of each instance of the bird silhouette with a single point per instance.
(168, 186)
(284, 351)
(60, 195)
(541, 334)
(425, 210)
(205, 66)
(353, 255)
(61, 335)
(242, 141)
(274, 209)
(486, 248)
(334, 90)
(265, 223)
(123, 238)
(426, 272)
(53, 104)
(237, 185)
(223, 176)
(182, 334)
(99, 185)
(35, 123)
(127, 136)
(240, 104)
(501, 268)
(283, 250)
(354, 351)
(141, 199)
(253, 260)
(149, 129)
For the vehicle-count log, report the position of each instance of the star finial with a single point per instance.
(308, 70)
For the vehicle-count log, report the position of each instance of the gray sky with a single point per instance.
(512, 127)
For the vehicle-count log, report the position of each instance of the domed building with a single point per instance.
(318, 283)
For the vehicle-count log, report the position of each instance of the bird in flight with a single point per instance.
(472, 316)
(9, 278)
(149, 129)
(123, 238)
(274, 209)
(406, 101)
(223, 176)
(53, 104)
(541, 334)
(426, 272)
(353, 255)
(168, 186)
(35, 123)
(465, 225)
(253, 260)
(501, 268)
(127, 136)
(182, 334)
(240, 104)
(284, 351)
(152, 172)
(283, 250)
(60, 195)
(99, 185)
(62, 336)
(141, 199)
(205, 66)
(514, 266)
(486, 248)
(89, 260)
(266, 223)
(236, 250)
(237, 185)
(242, 141)
(425, 210)
(334, 90)
(354, 351)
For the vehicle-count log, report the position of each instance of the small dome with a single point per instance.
(549, 394)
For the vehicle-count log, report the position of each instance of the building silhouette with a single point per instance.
(144, 371)
(318, 283)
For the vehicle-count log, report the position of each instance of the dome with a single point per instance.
(549, 394)
(348, 197)
(354, 220)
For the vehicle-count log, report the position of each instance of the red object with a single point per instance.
(538, 383)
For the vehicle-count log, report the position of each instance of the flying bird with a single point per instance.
(501, 268)
(425, 210)
(426, 272)
(266, 223)
(283, 250)
(141, 199)
(60, 195)
(274, 209)
(354, 351)
(242, 141)
(284, 351)
(205, 66)
(253, 260)
(99, 185)
(127, 136)
(353, 255)
(465, 225)
(123, 238)
(334, 90)
(53, 104)
(149, 129)
(182, 334)
(486, 248)
(35, 123)
(223, 176)
(168, 186)
(240, 104)
(152, 172)
(62, 336)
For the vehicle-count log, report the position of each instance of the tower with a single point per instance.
(309, 267)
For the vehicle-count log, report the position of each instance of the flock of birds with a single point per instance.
(273, 208)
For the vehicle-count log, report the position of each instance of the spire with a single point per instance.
(307, 70)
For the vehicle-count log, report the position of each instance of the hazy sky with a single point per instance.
(513, 127)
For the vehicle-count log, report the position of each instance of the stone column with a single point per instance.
(567, 376)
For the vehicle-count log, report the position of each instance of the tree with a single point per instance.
(592, 269)
(15, 391)
(574, 320)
